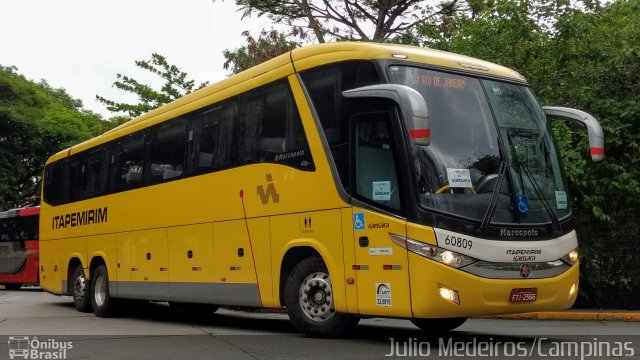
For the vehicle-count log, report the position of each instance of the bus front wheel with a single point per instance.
(310, 301)
(80, 290)
(102, 303)
(435, 326)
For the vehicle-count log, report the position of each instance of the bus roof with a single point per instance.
(299, 59)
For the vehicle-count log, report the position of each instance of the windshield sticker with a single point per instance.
(383, 294)
(523, 204)
(459, 178)
(381, 190)
(561, 200)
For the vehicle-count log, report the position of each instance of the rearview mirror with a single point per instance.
(596, 136)
(412, 106)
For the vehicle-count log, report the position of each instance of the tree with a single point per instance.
(370, 20)
(176, 85)
(268, 45)
(36, 121)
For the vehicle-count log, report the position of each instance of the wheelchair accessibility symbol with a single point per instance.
(523, 204)
(358, 221)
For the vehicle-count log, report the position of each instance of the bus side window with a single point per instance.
(375, 168)
(57, 181)
(251, 114)
(128, 163)
(166, 150)
(270, 126)
(212, 132)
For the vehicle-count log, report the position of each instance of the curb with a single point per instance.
(572, 315)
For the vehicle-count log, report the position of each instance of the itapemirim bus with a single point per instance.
(339, 181)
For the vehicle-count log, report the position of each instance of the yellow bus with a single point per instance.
(337, 181)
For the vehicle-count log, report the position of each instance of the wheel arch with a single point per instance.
(74, 261)
(299, 249)
(95, 262)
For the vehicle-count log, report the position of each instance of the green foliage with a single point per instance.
(268, 45)
(175, 86)
(36, 121)
(587, 56)
(370, 20)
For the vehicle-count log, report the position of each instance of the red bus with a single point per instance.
(19, 250)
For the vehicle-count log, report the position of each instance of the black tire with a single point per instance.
(435, 326)
(12, 286)
(101, 301)
(309, 285)
(80, 289)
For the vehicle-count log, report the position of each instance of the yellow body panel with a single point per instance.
(191, 253)
(383, 266)
(322, 235)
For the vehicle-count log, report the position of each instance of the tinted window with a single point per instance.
(166, 150)
(325, 86)
(96, 175)
(375, 168)
(19, 228)
(270, 129)
(128, 163)
(56, 177)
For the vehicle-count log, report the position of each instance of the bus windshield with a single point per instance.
(490, 143)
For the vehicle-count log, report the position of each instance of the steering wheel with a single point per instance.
(486, 183)
(447, 187)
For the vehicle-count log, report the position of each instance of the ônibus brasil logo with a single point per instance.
(25, 347)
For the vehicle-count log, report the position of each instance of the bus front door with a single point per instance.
(382, 276)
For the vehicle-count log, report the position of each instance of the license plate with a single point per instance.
(523, 295)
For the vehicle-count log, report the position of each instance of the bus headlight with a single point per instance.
(571, 258)
(444, 256)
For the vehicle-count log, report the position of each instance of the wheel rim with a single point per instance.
(100, 291)
(316, 297)
(79, 288)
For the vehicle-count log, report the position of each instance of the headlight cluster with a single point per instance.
(444, 256)
(571, 258)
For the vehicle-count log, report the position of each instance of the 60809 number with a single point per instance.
(458, 242)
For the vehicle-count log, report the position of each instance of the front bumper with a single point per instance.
(482, 296)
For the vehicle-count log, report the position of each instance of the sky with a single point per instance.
(80, 45)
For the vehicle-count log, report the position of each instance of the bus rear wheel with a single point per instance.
(12, 286)
(101, 301)
(80, 290)
(309, 300)
(435, 326)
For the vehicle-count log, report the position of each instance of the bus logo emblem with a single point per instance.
(270, 193)
(525, 270)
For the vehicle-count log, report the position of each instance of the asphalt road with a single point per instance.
(45, 324)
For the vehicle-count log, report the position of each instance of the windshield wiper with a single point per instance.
(523, 166)
(502, 173)
(494, 197)
(536, 188)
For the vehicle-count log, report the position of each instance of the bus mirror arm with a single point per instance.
(412, 105)
(596, 135)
